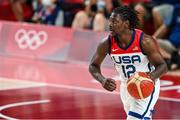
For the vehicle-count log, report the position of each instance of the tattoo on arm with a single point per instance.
(100, 54)
(155, 58)
(96, 72)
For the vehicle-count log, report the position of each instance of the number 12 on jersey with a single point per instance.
(128, 70)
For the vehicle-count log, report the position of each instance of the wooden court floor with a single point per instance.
(32, 89)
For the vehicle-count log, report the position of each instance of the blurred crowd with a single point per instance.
(159, 18)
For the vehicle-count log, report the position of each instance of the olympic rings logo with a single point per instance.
(30, 39)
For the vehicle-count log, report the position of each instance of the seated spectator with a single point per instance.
(70, 8)
(16, 10)
(91, 17)
(48, 12)
(152, 13)
(170, 45)
(110, 5)
(161, 10)
(145, 16)
(161, 13)
(128, 2)
(95, 15)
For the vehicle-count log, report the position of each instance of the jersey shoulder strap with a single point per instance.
(134, 45)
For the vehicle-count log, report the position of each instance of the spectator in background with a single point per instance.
(161, 13)
(92, 17)
(110, 5)
(162, 10)
(70, 8)
(16, 10)
(158, 13)
(144, 15)
(152, 13)
(95, 15)
(170, 46)
(48, 12)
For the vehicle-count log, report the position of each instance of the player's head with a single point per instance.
(123, 18)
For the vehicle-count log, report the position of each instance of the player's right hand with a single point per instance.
(109, 84)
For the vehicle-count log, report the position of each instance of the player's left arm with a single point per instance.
(150, 48)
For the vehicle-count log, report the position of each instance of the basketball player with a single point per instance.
(131, 51)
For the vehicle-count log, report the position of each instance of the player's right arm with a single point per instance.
(95, 66)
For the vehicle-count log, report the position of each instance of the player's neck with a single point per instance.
(125, 38)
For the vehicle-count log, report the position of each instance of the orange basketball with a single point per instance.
(140, 86)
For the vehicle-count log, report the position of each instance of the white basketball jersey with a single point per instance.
(130, 59)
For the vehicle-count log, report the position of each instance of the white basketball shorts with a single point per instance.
(139, 108)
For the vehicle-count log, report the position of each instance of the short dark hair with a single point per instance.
(129, 14)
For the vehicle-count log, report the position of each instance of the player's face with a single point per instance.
(116, 25)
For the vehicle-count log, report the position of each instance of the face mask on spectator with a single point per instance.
(47, 3)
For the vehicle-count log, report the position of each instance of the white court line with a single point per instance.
(175, 87)
(170, 99)
(82, 88)
(22, 87)
(85, 89)
(19, 104)
(104, 91)
(11, 84)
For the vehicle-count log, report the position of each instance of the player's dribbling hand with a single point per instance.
(150, 76)
(109, 84)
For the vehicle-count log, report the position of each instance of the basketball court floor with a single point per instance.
(34, 89)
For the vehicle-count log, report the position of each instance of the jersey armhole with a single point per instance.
(140, 42)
